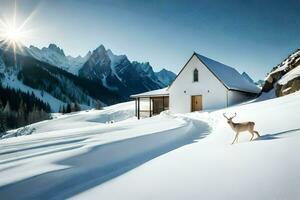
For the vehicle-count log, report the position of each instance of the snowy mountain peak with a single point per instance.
(100, 49)
(55, 48)
(115, 59)
(88, 54)
(165, 76)
(56, 57)
(115, 72)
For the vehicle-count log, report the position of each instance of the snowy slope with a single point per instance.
(210, 168)
(184, 156)
(294, 73)
(284, 79)
(284, 65)
(13, 82)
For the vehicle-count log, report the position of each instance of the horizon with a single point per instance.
(247, 36)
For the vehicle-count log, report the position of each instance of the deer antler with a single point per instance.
(225, 116)
(233, 116)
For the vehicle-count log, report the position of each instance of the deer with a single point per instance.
(241, 127)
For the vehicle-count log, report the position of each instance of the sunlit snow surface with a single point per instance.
(186, 156)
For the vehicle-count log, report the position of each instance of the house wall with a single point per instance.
(235, 97)
(214, 93)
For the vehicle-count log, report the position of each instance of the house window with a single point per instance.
(195, 75)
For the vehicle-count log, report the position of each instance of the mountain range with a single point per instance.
(115, 72)
(99, 77)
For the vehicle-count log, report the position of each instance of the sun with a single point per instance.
(12, 37)
(13, 34)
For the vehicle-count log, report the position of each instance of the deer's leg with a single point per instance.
(251, 136)
(256, 133)
(236, 135)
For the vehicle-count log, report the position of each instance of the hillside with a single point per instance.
(284, 78)
(182, 156)
(20, 109)
(51, 84)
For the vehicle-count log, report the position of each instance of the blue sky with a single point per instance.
(252, 36)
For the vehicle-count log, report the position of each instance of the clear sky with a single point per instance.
(252, 35)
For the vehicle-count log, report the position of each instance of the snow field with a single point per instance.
(170, 156)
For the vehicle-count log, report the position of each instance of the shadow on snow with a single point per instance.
(276, 135)
(102, 163)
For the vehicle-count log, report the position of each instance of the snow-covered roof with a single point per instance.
(229, 76)
(153, 93)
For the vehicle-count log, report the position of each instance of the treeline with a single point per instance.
(19, 109)
(70, 107)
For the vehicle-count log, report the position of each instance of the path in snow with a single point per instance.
(60, 166)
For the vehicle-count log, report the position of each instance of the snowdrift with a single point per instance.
(183, 156)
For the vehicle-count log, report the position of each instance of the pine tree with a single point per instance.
(21, 114)
(64, 109)
(98, 105)
(61, 109)
(76, 107)
(68, 110)
(3, 126)
(7, 108)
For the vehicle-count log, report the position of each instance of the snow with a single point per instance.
(55, 56)
(76, 63)
(294, 73)
(266, 95)
(229, 76)
(104, 82)
(285, 64)
(169, 156)
(159, 92)
(115, 60)
(12, 81)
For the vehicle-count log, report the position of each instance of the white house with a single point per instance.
(202, 84)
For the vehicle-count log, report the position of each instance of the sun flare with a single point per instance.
(13, 31)
(13, 34)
